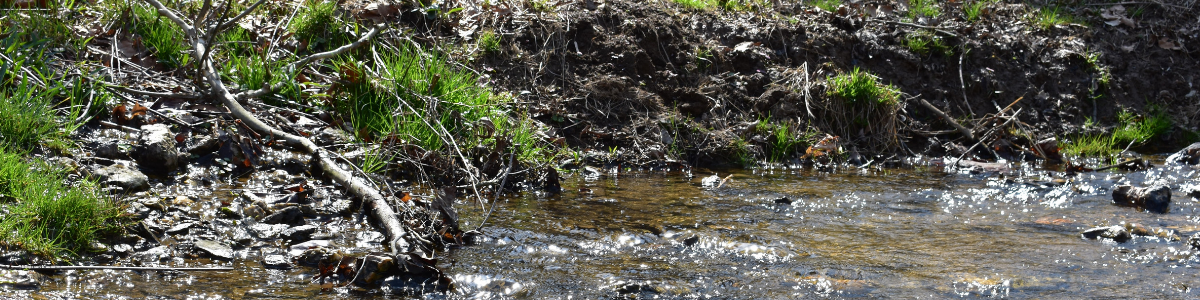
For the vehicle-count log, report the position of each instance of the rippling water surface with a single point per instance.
(878, 233)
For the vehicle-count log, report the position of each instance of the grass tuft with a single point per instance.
(162, 35)
(314, 22)
(858, 87)
(973, 11)
(924, 42)
(44, 215)
(923, 8)
(1132, 130)
(827, 5)
(1047, 17)
(489, 42)
(448, 99)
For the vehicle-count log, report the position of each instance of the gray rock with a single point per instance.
(1116, 232)
(120, 175)
(286, 215)
(276, 261)
(302, 232)
(156, 149)
(216, 249)
(110, 150)
(1190, 155)
(1155, 198)
(153, 255)
(267, 231)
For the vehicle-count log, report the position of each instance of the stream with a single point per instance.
(916, 232)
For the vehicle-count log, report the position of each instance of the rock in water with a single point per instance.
(1116, 232)
(156, 149)
(216, 249)
(1155, 198)
(1188, 156)
(122, 176)
(276, 261)
(1194, 241)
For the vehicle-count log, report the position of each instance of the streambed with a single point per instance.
(921, 232)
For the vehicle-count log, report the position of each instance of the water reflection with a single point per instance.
(878, 233)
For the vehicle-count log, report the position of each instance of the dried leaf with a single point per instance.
(138, 110)
(1166, 43)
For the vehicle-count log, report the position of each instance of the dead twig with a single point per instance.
(56, 268)
(935, 29)
(966, 132)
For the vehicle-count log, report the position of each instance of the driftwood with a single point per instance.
(198, 38)
(55, 268)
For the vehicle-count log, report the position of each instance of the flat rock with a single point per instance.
(1116, 232)
(120, 175)
(302, 232)
(214, 248)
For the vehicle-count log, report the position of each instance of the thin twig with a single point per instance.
(944, 116)
(935, 29)
(52, 268)
(297, 65)
(989, 134)
(499, 189)
(964, 83)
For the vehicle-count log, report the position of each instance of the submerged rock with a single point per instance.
(1155, 198)
(1116, 232)
(300, 233)
(110, 150)
(1194, 241)
(122, 176)
(216, 249)
(156, 149)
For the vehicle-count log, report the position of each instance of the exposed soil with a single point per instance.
(635, 75)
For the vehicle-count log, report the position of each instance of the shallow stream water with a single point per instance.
(905, 233)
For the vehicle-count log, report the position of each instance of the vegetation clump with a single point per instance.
(1131, 131)
(162, 35)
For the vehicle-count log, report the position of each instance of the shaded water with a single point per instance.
(892, 233)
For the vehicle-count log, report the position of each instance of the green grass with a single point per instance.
(162, 35)
(924, 42)
(729, 5)
(26, 117)
(46, 216)
(974, 9)
(859, 87)
(1131, 130)
(923, 8)
(1047, 17)
(489, 42)
(314, 22)
(784, 139)
(410, 77)
(827, 5)
(1104, 75)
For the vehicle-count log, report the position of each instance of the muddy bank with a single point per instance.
(669, 82)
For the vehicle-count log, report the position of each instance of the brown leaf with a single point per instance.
(1166, 43)
(138, 110)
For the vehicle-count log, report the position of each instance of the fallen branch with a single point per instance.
(54, 268)
(966, 132)
(379, 207)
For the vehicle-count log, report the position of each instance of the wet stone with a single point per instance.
(287, 215)
(122, 176)
(214, 248)
(1116, 233)
(153, 255)
(267, 231)
(1194, 241)
(276, 261)
(303, 232)
(156, 149)
(181, 228)
(1190, 155)
(110, 150)
(1154, 198)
